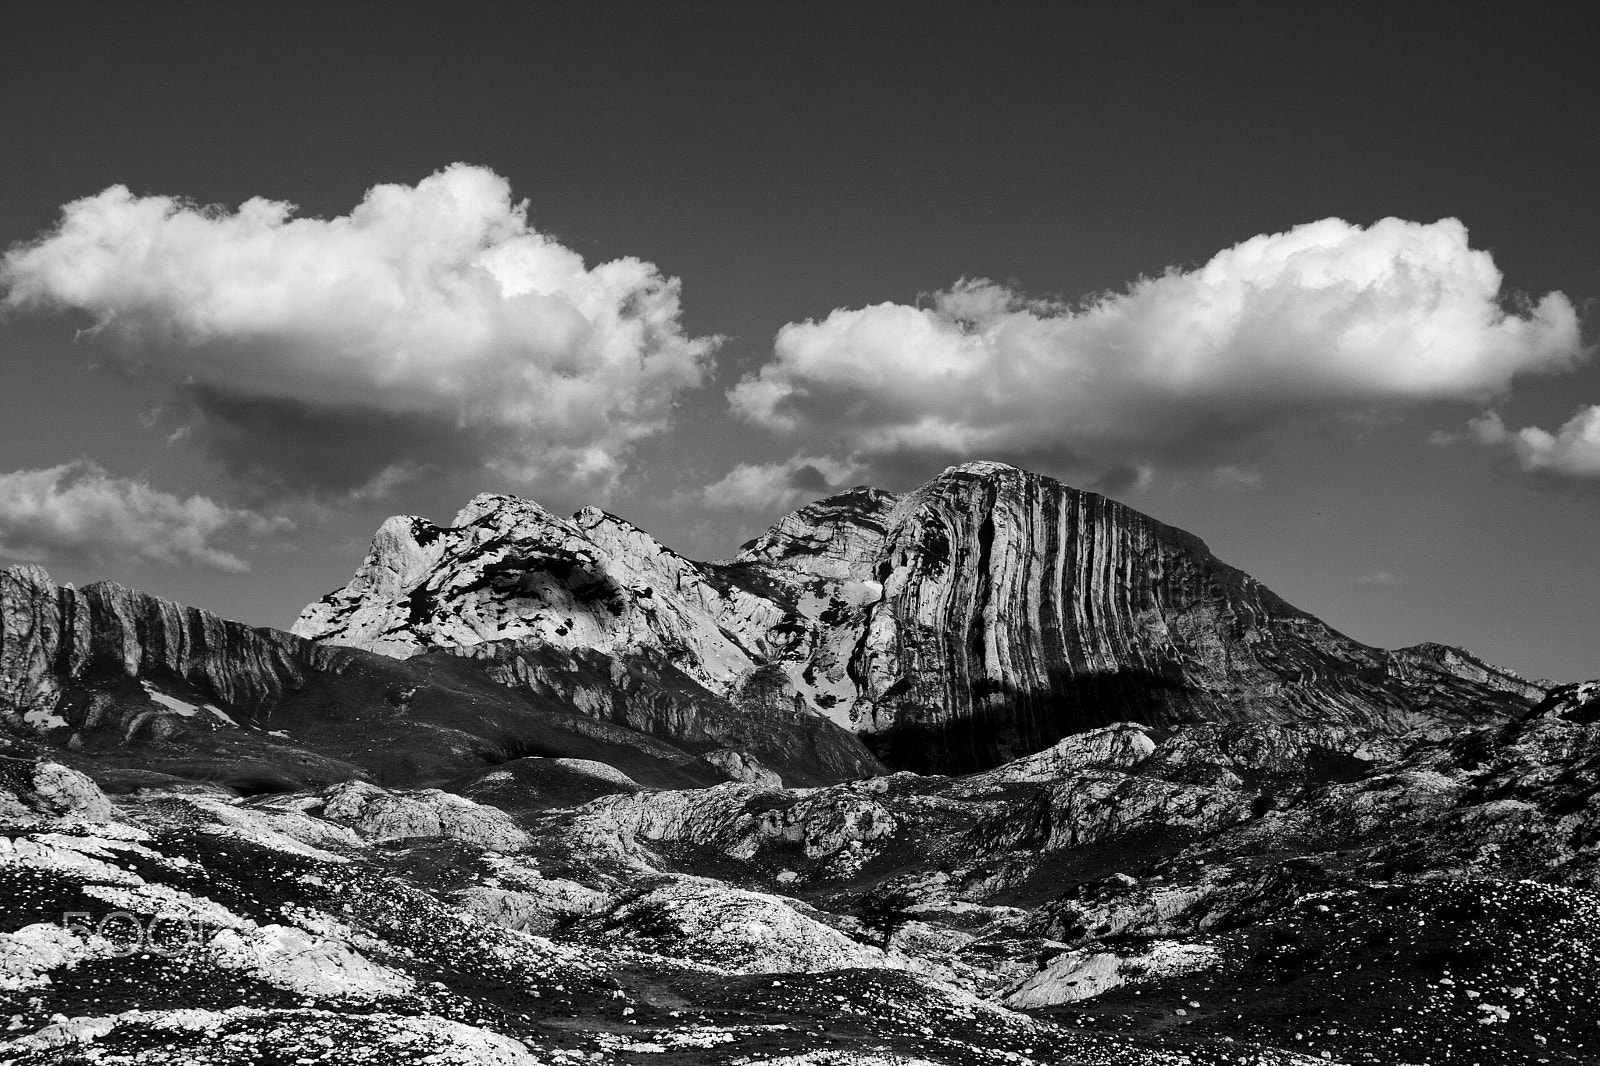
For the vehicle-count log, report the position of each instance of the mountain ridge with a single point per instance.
(977, 618)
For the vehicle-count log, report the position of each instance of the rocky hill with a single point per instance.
(979, 618)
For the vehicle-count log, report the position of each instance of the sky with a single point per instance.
(1318, 283)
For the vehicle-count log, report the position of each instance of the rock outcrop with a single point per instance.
(52, 790)
(380, 815)
(740, 931)
(977, 619)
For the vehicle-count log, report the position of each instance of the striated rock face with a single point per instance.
(1015, 610)
(51, 634)
(977, 619)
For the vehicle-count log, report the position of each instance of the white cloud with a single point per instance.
(1571, 452)
(1236, 478)
(78, 512)
(432, 325)
(776, 486)
(1380, 579)
(1327, 318)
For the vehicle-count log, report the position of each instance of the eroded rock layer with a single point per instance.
(1016, 610)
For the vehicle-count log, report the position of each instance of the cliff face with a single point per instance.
(976, 619)
(134, 681)
(51, 635)
(1016, 610)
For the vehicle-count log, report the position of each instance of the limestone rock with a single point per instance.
(28, 955)
(1120, 746)
(535, 906)
(280, 823)
(1016, 610)
(299, 962)
(1575, 703)
(1074, 976)
(743, 932)
(1098, 805)
(736, 819)
(507, 569)
(380, 815)
(280, 1035)
(594, 612)
(741, 767)
(54, 790)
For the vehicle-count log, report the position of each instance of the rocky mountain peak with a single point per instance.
(988, 468)
(980, 617)
(835, 538)
(508, 510)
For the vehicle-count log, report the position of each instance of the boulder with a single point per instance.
(735, 930)
(380, 815)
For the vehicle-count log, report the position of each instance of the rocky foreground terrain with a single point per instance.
(993, 772)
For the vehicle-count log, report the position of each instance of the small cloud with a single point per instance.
(775, 486)
(1570, 454)
(77, 512)
(1236, 478)
(1381, 579)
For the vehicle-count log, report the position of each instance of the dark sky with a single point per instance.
(786, 161)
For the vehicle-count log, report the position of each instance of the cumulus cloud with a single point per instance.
(1380, 579)
(432, 326)
(1328, 318)
(1571, 453)
(77, 512)
(776, 486)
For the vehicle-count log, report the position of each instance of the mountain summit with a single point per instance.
(976, 619)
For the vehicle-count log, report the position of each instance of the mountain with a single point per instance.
(146, 690)
(542, 791)
(976, 619)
